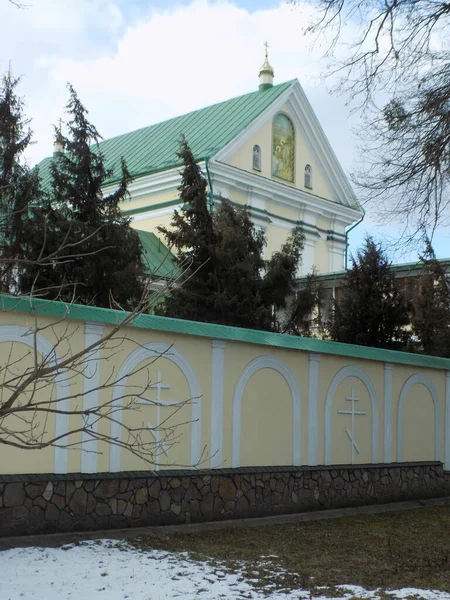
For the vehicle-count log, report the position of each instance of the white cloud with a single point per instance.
(169, 62)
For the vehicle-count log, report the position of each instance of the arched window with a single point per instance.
(283, 148)
(308, 176)
(257, 158)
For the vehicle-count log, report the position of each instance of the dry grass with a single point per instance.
(389, 551)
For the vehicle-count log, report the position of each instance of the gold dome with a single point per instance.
(266, 72)
(267, 67)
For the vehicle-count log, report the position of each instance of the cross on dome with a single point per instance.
(266, 72)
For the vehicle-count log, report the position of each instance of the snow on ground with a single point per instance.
(112, 570)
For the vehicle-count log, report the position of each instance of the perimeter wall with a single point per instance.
(225, 399)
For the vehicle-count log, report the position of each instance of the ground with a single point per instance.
(394, 555)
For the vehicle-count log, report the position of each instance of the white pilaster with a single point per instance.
(93, 332)
(308, 256)
(447, 422)
(336, 255)
(387, 434)
(314, 360)
(218, 355)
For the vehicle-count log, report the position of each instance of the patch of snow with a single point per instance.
(425, 594)
(114, 570)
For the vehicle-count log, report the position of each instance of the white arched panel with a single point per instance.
(425, 381)
(264, 362)
(22, 335)
(152, 351)
(358, 373)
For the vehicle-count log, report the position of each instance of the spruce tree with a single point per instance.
(303, 316)
(99, 261)
(227, 280)
(19, 186)
(193, 237)
(430, 305)
(370, 311)
(239, 296)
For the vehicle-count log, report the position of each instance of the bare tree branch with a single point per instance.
(392, 59)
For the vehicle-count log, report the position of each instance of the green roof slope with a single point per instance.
(158, 259)
(154, 148)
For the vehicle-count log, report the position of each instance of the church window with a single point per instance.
(257, 158)
(308, 176)
(283, 148)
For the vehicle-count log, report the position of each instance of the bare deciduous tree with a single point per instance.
(396, 70)
(29, 378)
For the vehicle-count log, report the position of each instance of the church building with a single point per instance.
(265, 149)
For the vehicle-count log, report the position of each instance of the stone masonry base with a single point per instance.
(31, 504)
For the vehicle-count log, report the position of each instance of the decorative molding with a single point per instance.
(22, 335)
(425, 381)
(265, 362)
(155, 214)
(387, 437)
(314, 363)
(217, 366)
(152, 351)
(281, 193)
(93, 332)
(357, 372)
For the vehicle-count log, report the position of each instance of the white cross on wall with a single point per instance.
(351, 434)
(159, 386)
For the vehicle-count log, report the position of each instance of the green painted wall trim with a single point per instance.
(209, 330)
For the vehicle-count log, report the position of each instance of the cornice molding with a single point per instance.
(285, 195)
(156, 183)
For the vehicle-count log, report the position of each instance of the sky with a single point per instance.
(138, 62)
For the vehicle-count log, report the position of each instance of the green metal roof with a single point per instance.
(158, 259)
(61, 310)
(207, 130)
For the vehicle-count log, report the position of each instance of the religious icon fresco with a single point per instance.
(283, 148)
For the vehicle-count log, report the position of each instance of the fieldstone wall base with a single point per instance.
(31, 504)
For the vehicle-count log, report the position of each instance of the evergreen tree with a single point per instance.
(227, 280)
(370, 310)
(304, 315)
(192, 235)
(99, 257)
(431, 307)
(19, 186)
(239, 298)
